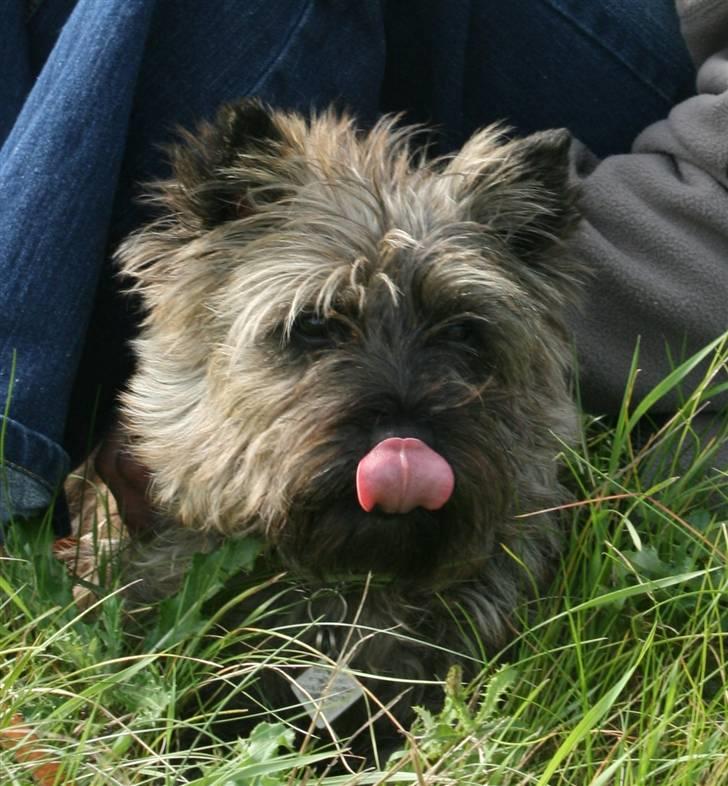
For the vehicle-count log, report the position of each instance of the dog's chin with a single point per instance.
(342, 539)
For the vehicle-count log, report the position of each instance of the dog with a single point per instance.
(360, 356)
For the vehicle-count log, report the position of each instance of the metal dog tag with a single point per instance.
(325, 692)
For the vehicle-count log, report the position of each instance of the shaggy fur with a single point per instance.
(310, 290)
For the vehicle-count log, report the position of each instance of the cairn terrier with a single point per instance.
(359, 355)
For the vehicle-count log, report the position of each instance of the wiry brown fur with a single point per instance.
(439, 287)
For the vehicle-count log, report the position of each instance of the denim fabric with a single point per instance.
(611, 68)
(90, 91)
(604, 69)
(58, 165)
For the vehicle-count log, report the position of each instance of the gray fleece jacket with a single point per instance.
(655, 230)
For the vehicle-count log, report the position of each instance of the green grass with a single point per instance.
(618, 676)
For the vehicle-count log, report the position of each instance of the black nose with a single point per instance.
(401, 427)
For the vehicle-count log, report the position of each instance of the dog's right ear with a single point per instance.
(219, 171)
(225, 170)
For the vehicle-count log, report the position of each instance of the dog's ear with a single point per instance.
(519, 190)
(219, 169)
(225, 170)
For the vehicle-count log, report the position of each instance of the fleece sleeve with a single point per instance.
(655, 233)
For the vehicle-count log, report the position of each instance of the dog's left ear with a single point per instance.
(220, 169)
(519, 190)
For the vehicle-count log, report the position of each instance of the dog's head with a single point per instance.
(356, 352)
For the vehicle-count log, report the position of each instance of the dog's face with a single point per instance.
(358, 354)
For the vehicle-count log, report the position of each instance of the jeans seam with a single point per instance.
(32, 454)
(283, 48)
(28, 473)
(587, 32)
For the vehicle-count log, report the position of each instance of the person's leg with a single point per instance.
(58, 166)
(603, 69)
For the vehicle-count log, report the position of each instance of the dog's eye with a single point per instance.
(313, 331)
(458, 333)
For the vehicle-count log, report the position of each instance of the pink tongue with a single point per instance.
(402, 474)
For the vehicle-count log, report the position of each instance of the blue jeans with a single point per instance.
(90, 90)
